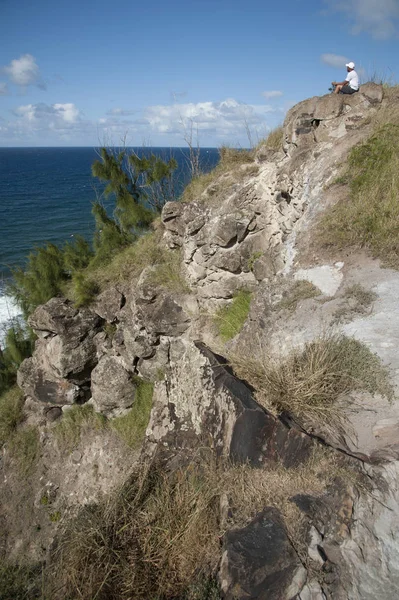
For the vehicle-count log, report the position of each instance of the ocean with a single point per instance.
(46, 195)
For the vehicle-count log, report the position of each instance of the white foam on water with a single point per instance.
(8, 311)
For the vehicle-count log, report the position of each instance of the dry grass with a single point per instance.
(360, 301)
(300, 290)
(150, 540)
(274, 140)
(159, 537)
(234, 167)
(308, 382)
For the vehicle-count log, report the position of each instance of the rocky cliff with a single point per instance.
(252, 229)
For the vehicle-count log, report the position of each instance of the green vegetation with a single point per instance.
(370, 218)
(11, 403)
(78, 420)
(24, 447)
(230, 319)
(22, 441)
(46, 271)
(252, 259)
(17, 346)
(300, 290)
(75, 422)
(308, 382)
(131, 427)
(139, 188)
(19, 582)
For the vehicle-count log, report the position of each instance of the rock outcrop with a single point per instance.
(251, 238)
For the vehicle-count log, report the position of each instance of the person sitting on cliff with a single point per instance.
(351, 83)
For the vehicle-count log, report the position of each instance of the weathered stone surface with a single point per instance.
(258, 561)
(373, 92)
(203, 398)
(41, 386)
(328, 107)
(112, 387)
(58, 316)
(109, 303)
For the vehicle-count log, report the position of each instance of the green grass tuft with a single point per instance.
(131, 427)
(24, 448)
(74, 422)
(230, 319)
(11, 416)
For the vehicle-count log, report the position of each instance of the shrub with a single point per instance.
(371, 217)
(131, 427)
(17, 347)
(308, 382)
(84, 289)
(231, 318)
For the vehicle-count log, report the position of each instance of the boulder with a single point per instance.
(202, 399)
(258, 560)
(59, 317)
(112, 387)
(43, 386)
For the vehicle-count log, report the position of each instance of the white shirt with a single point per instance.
(353, 80)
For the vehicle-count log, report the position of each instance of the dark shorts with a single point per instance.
(348, 90)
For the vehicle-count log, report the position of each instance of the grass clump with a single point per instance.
(149, 540)
(300, 290)
(131, 427)
(360, 301)
(11, 416)
(24, 448)
(75, 422)
(274, 139)
(371, 217)
(310, 380)
(168, 273)
(230, 162)
(19, 582)
(230, 319)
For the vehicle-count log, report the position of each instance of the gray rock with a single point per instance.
(258, 561)
(112, 387)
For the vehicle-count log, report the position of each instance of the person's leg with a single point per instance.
(347, 90)
(338, 88)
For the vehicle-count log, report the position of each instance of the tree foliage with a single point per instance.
(17, 346)
(140, 185)
(46, 271)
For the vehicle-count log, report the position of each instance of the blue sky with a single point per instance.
(83, 73)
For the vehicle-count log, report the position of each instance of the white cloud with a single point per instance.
(54, 116)
(3, 88)
(272, 94)
(120, 112)
(216, 122)
(220, 118)
(334, 60)
(24, 71)
(376, 17)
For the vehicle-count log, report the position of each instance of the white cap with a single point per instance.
(350, 65)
